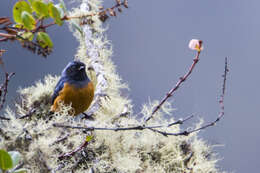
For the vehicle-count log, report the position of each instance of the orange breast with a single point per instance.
(80, 98)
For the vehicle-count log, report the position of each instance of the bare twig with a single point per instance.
(71, 153)
(103, 14)
(4, 118)
(181, 80)
(221, 102)
(220, 115)
(139, 127)
(29, 114)
(3, 88)
(61, 139)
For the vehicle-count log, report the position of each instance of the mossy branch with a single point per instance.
(4, 90)
(138, 127)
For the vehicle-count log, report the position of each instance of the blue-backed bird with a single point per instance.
(74, 87)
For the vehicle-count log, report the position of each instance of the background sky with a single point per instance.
(150, 41)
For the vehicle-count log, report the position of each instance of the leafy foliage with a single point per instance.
(40, 8)
(9, 160)
(29, 28)
(18, 8)
(44, 40)
(5, 160)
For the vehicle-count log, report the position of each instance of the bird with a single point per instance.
(74, 87)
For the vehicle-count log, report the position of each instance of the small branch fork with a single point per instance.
(178, 84)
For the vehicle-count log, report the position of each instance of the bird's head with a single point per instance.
(75, 70)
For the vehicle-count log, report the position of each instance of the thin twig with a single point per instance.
(18, 167)
(61, 139)
(103, 12)
(71, 153)
(31, 112)
(4, 118)
(181, 80)
(139, 127)
(220, 115)
(3, 88)
(221, 101)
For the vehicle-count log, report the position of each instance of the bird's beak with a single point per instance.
(81, 67)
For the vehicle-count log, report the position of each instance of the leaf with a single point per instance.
(5, 160)
(28, 36)
(63, 6)
(18, 8)
(44, 40)
(16, 156)
(28, 20)
(60, 10)
(30, 1)
(76, 27)
(89, 138)
(40, 8)
(55, 14)
(22, 170)
(19, 26)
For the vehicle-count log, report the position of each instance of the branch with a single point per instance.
(178, 84)
(139, 127)
(103, 16)
(29, 114)
(221, 101)
(220, 115)
(71, 153)
(3, 92)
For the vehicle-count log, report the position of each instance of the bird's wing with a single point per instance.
(57, 89)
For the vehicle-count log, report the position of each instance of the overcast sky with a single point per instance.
(150, 41)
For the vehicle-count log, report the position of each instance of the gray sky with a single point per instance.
(151, 52)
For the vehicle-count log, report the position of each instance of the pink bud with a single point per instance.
(196, 44)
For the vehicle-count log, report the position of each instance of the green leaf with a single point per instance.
(44, 40)
(28, 35)
(55, 14)
(28, 20)
(18, 8)
(89, 138)
(5, 160)
(22, 170)
(60, 10)
(18, 26)
(40, 8)
(30, 1)
(76, 26)
(16, 156)
(63, 6)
